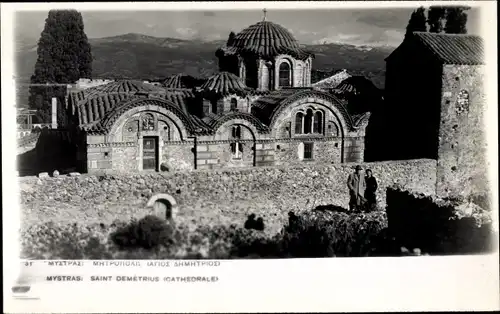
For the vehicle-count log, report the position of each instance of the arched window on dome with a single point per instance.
(308, 122)
(285, 75)
(318, 122)
(234, 104)
(299, 122)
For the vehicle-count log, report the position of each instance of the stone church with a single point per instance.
(259, 110)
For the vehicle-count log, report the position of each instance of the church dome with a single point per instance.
(266, 39)
(223, 84)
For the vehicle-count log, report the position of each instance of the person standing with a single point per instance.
(356, 184)
(371, 189)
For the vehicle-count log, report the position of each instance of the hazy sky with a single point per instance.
(359, 27)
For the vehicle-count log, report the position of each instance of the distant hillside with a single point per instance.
(146, 57)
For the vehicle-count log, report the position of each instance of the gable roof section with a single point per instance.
(457, 49)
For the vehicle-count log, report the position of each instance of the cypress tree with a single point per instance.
(435, 19)
(456, 20)
(64, 56)
(230, 39)
(417, 22)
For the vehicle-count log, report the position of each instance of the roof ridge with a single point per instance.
(447, 34)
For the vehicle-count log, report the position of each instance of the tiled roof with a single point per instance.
(268, 107)
(193, 124)
(96, 107)
(449, 48)
(120, 87)
(332, 81)
(359, 84)
(454, 48)
(213, 121)
(266, 39)
(182, 81)
(224, 83)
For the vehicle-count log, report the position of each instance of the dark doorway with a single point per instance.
(150, 153)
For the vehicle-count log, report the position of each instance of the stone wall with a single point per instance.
(462, 163)
(437, 226)
(354, 148)
(270, 192)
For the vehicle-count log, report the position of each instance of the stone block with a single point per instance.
(258, 146)
(42, 175)
(96, 139)
(201, 148)
(212, 161)
(204, 155)
(214, 148)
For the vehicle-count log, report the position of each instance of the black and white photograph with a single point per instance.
(252, 134)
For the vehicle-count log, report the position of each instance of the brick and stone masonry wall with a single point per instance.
(264, 190)
(462, 163)
(437, 226)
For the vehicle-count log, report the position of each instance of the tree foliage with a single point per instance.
(456, 20)
(64, 56)
(417, 22)
(435, 18)
(230, 39)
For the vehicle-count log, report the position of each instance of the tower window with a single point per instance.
(285, 75)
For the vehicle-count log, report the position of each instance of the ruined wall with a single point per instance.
(437, 226)
(177, 156)
(462, 163)
(325, 150)
(263, 190)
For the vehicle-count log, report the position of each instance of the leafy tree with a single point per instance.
(456, 20)
(435, 19)
(230, 39)
(417, 22)
(64, 56)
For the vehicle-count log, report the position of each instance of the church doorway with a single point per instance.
(150, 153)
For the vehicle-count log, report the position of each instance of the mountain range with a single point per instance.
(137, 56)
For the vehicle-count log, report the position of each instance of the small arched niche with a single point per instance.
(164, 206)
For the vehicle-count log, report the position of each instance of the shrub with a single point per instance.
(252, 223)
(331, 233)
(147, 233)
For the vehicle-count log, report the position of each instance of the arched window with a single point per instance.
(285, 75)
(308, 122)
(299, 122)
(318, 122)
(236, 146)
(148, 122)
(213, 104)
(332, 129)
(234, 104)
